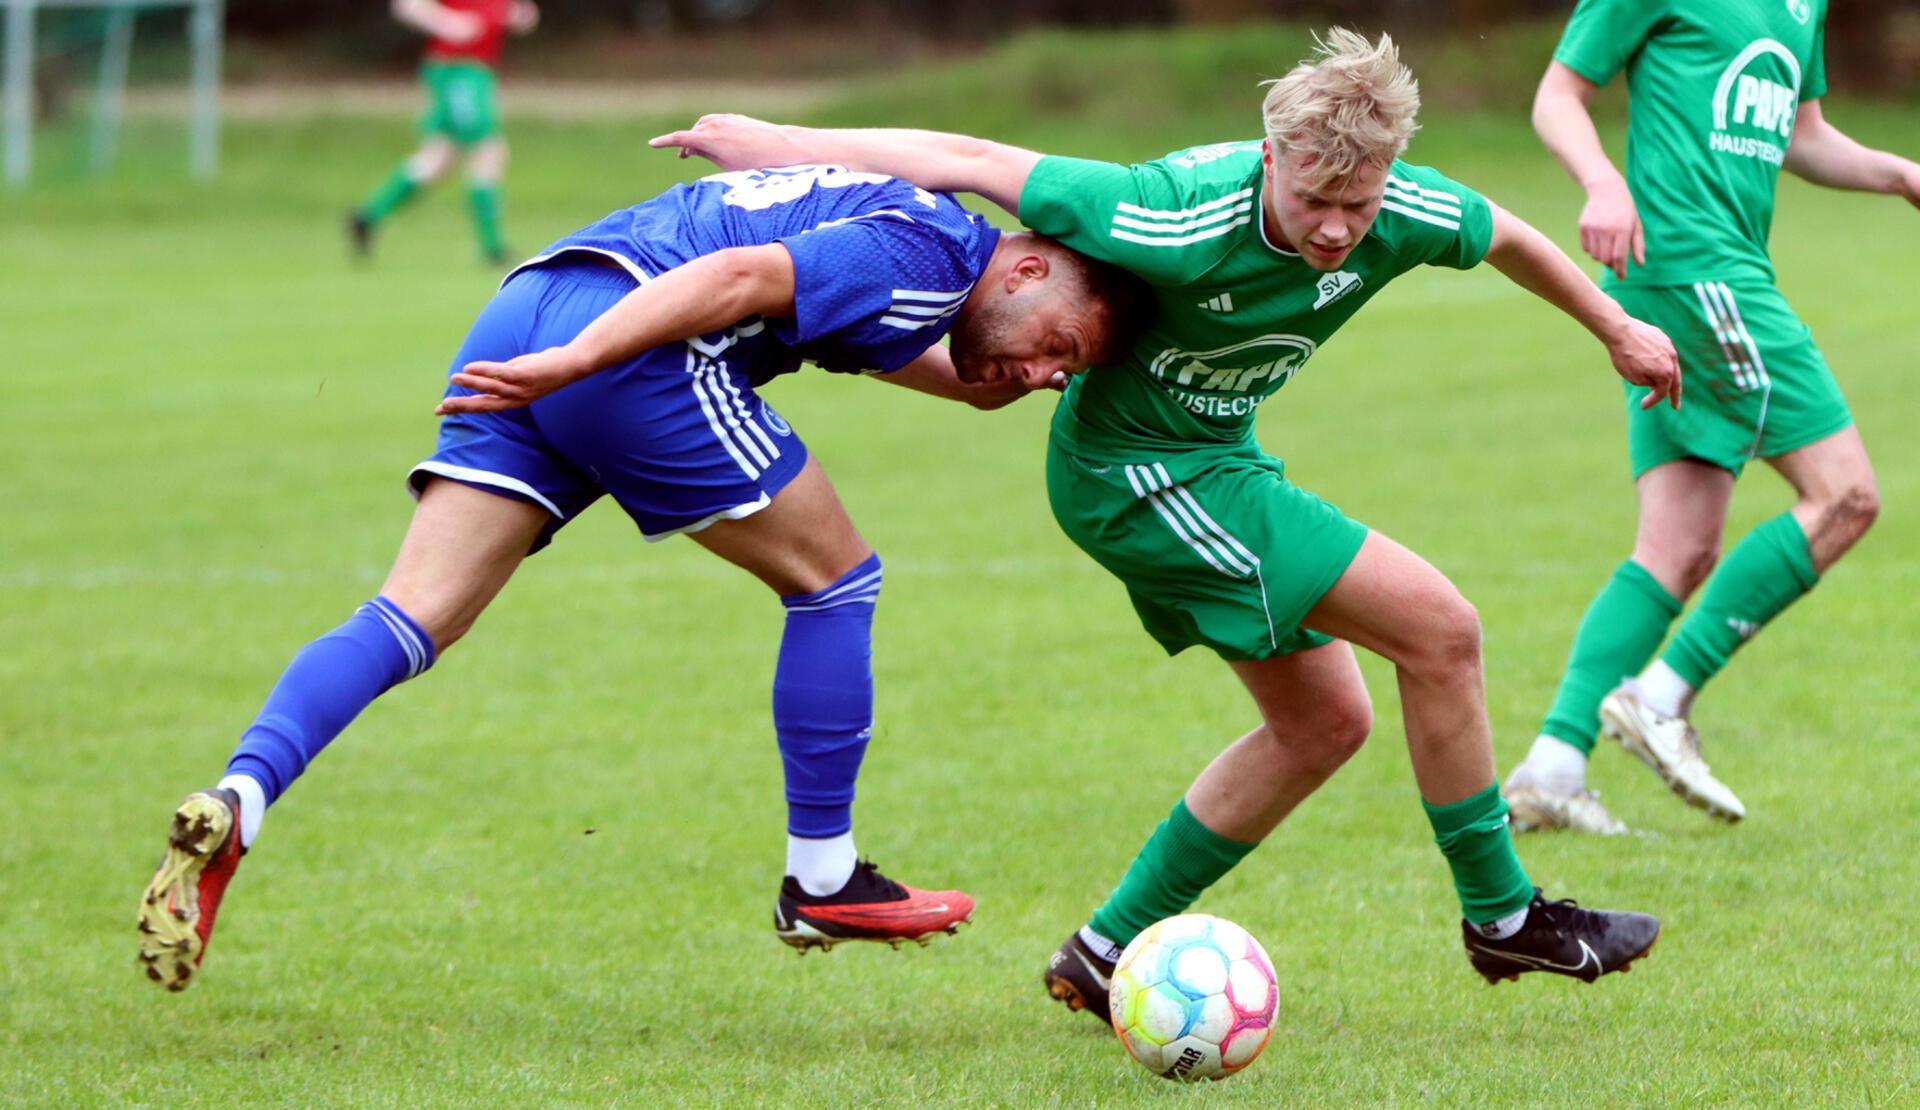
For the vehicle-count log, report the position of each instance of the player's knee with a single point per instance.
(430, 163)
(488, 162)
(1322, 741)
(1858, 506)
(1451, 647)
(1683, 562)
(1343, 727)
(1695, 562)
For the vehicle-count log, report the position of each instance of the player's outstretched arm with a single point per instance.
(709, 294)
(1609, 223)
(1825, 155)
(431, 18)
(933, 373)
(935, 160)
(1641, 353)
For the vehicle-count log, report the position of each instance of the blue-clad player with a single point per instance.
(684, 305)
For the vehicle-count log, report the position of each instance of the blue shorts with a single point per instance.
(676, 435)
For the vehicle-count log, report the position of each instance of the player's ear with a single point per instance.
(1029, 268)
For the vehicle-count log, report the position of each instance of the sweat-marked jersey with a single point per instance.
(1713, 87)
(880, 266)
(1238, 316)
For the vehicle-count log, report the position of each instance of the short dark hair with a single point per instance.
(1125, 302)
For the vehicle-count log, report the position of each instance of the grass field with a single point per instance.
(542, 875)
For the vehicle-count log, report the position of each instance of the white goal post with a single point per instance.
(204, 25)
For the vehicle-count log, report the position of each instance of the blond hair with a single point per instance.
(1351, 105)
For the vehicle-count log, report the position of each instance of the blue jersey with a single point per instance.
(880, 266)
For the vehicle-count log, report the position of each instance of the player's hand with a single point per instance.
(515, 383)
(1910, 184)
(735, 142)
(523, 17)
(1610, 228)
(1645, 356)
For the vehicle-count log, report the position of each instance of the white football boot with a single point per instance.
(1533, 807)
(1671, 747)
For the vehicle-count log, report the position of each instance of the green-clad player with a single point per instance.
(462, 116)
(1259, 252)
(1723, 93)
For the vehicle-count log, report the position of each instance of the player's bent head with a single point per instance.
(1041, 308)
(1333, 127)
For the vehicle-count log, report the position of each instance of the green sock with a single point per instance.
(1765, 572)
(1181, 859)
(395, 191)
(1473, 835)
(483, 202)
(1621, 630)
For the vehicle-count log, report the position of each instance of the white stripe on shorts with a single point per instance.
(696, 373)
(1758, 364)
(746, 414)
(1147, 485)
(1723, 332)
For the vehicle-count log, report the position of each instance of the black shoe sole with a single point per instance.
(803, 935)
(1068, 993)
(1495, 978)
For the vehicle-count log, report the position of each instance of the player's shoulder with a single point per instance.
(1189, 206)
(1420, 202)
(1231, 158)
(1207, 172)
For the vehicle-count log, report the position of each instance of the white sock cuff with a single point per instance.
(253, 805)
(1099, 945)
(823, 865)
(1502, 928)
(1662, 688)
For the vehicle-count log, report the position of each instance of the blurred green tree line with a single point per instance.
(1874, 45)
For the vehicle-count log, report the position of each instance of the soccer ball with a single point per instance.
(1193, 997)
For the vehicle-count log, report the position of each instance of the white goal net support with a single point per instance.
(95, 41)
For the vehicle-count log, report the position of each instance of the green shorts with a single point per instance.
(1215, 548)
(1753, 382)
(460, 102)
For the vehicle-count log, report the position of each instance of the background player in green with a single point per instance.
(1259, 252)
(461, 116)
(1723, 93)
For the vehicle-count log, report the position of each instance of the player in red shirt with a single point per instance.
(463, 46)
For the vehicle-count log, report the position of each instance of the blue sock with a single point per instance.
(325, 687)
(823, 699)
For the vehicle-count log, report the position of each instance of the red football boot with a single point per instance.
(176, 912)
(870, 907)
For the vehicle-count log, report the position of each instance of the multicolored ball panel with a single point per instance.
(1193, 997)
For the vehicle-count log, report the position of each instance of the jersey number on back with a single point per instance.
(758, 190)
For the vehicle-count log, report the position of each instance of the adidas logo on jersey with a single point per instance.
(1335, 286)
(1221, 303)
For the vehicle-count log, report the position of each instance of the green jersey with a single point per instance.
(1713, 87)
(1237, 316)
